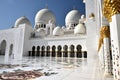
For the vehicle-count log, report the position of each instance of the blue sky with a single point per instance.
(10, 10)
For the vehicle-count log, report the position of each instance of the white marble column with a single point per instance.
(105, 36)
(40, 51)
(35, 51)
(101, 57)
(68, 52)
(45, 52)
(75, 53)
(62, 52)
(56, 52)
(50, 52)
(108, 69)
(115, 42)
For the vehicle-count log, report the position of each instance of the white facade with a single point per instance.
(20, 40)
(79, 35)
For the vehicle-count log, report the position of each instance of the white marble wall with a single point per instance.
(27, 36)
(18, 38)
(62, 42)
(91, 25)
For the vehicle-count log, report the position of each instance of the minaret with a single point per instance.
(46, 6)
(49, 27)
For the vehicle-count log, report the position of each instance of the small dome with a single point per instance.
(63, 27)
(22, 20)
(80, 29)
(58, 31)
(72, 17)
(40, 32)
(43, 17)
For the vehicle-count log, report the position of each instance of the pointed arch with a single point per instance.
(44, 25)
(3, 47)
(43, 51)
(65, 51)
(59, 52)
(53, 51)
(79, 51)
(85, 54)
(48, 51)
(38, 51)
(11, 50)
(72, 52)
(33, 51)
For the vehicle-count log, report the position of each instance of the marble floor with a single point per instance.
(63, 68)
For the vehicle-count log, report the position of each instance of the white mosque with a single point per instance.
(45, 39)
(95, 37)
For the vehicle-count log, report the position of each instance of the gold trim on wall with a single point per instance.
(104, 33)
(91, 15)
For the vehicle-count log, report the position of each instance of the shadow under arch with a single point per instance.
(65, 51)
(42, 51)
(38, 51)
(79, 51)
(72, 52)
(11, 51)
(33, 51)
(59, 52)
(53, 51)
(3, 47)
(48, 51)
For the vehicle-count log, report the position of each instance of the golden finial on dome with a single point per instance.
(46, 6)
(73, 7)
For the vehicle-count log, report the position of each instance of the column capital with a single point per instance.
(104, 33)
(110, 8)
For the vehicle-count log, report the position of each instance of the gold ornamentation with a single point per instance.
(91, 15)
(110, 8)
(104, 33)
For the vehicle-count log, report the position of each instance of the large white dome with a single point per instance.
(72, 17)
(80, 29)
(22, 20)
(58, 31)
(43, 16)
